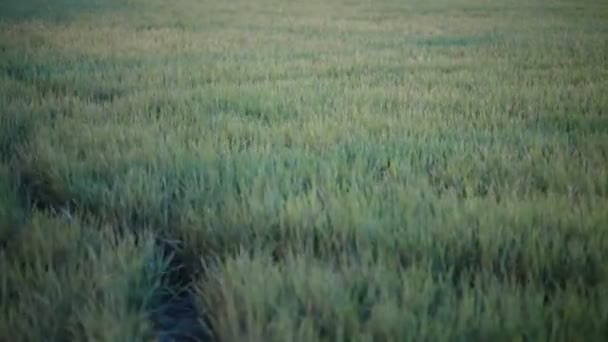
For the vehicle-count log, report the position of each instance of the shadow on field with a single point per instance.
(174, 316)
(53, 10)
(56, 81)
(178, 318)
(456, 41)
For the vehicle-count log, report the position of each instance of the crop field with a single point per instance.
(323, 170)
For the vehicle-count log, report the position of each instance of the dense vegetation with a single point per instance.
(317, 170)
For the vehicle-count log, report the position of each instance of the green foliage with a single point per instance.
(71, 279)
(344, 171)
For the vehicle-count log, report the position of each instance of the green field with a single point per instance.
(323, 170)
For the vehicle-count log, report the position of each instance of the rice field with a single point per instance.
(272, 170)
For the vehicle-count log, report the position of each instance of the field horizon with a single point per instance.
(272, 170)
